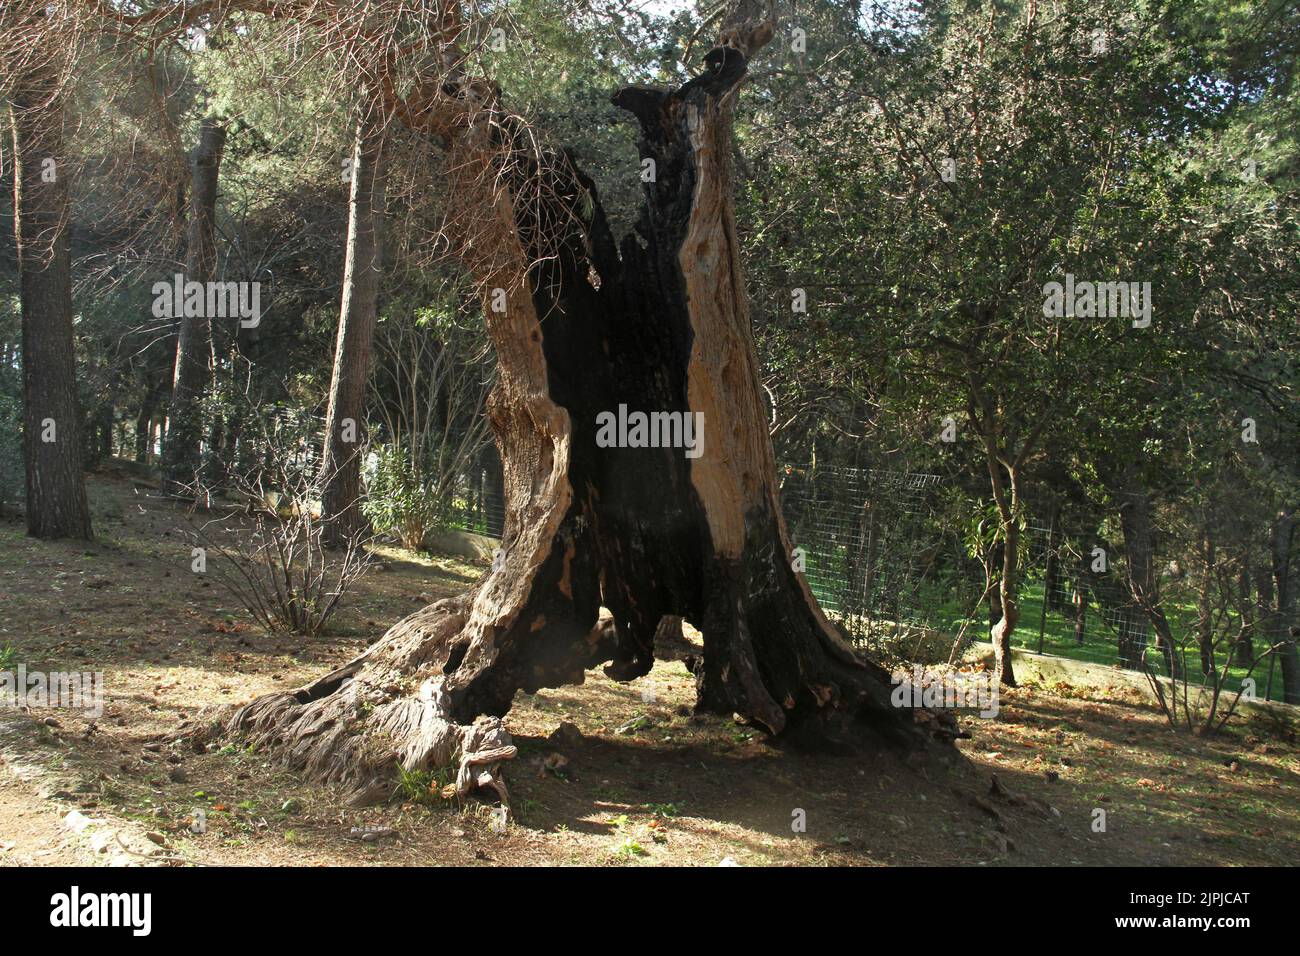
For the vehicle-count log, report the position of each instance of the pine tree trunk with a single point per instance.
(1284, 619)
(1243, 649)
(182, 445)
(662, 326)
(340, 473)
(52, 422)
(1205, 607)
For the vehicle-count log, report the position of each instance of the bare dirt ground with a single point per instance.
(645, 782)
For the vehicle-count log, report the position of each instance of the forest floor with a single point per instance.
(645, 783)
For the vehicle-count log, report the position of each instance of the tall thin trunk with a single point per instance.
(182, 446)
(144, 425)
(1053, 591)
(1284, 618)
(1005, 484)
(105, 449)
(1142, 581)
(1243, 650)
(1205, 606)
(1080, 601)
(1009, 598)
(340, 473)
(1264, 614)
(52, 422)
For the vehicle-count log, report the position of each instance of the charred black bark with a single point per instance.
(619, 328)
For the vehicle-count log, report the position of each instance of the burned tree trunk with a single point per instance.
(340, 472)
(52, 423)
(182, 445)
(585, 331)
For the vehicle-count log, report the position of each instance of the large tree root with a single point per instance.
(430, 694)
(386, 708)
(392, 707)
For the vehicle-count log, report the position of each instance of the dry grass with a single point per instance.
(645, 783)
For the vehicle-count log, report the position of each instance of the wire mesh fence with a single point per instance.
(477, 503)
(900, 583)
(860, 539)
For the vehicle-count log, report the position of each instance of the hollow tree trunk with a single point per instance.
(52, 423)
(182, 445)
(647, 532)
(340, 471)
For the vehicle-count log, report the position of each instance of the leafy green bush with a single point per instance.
(400, 496)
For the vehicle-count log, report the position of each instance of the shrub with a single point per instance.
(400, 498)
(280, 570)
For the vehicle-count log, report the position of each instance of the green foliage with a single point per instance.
(400, 496)
(425, 786)
(629, 849)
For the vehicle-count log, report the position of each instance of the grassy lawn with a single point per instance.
(933, 605)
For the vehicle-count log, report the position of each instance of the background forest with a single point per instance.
(1024, 293)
